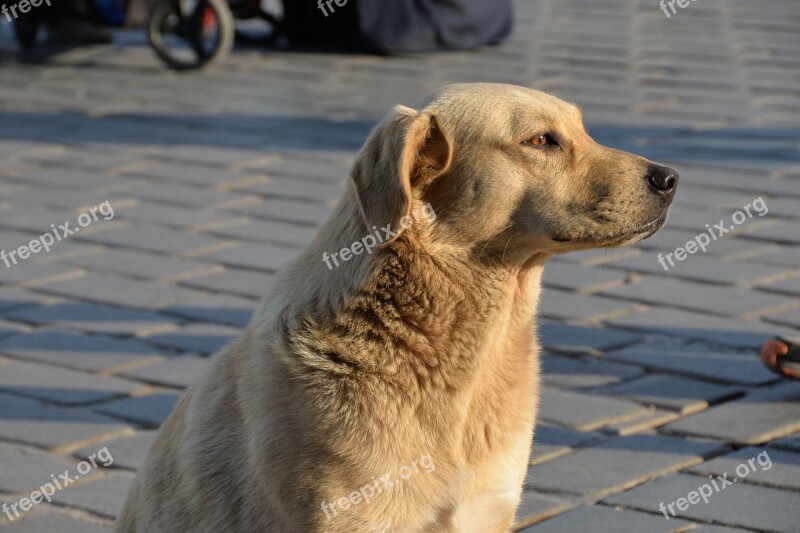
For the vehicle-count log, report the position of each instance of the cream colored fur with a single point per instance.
(425, 346)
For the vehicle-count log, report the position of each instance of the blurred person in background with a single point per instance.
(391, 26)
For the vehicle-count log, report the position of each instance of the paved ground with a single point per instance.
(216, 179)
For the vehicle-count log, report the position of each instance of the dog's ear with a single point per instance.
(406, 150)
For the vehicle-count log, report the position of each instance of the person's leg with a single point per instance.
(69, 22)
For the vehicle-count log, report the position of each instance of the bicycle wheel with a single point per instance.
(189, 34)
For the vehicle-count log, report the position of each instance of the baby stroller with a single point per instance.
(185, 34)
(189, 34)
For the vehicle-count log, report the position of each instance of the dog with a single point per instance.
(421, 351)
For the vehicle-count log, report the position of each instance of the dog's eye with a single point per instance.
(543, 139)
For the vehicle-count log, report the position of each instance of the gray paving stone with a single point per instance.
(600, 519)
(210, 155)
(617, 464)
(791, 443)
(296, 189)
(703, 528)
(699, 361)
(198, 338)
(128, 451)
(788, 318)
(644, 423)
(774, 468)
(61, 386)
(264, 257)
(678, 394)
(784, 233)
(572, 373)
(583, 339)
(30, 274)
(8, 329)
(192, 174)
(94, 353)
(727, 301)
(599, 256)
(64, 178)
(584, 412)
(669, 239)
(740, 334)
(705, 269)
(789, 286)
(758, 417)
(306, 169)
(786, 256)
(29, 422)
(720, 200)
(249, 284)
(151, 213)
(551, 441)
(158, 240)
(94, 318)
(569, 306)
(150, 410)
(61, 523)
(103, 497)
(580, 278)
(268, 231)
(142, 265)
(33, 220)
(784, 207)
(25, 469)
(285, 211)
(17, 298)
(745, 505)
(536, 506)
(220, 309)
(178, 372)
(123, 292)
(185, 195)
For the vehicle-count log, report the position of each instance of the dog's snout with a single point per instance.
(663, 180)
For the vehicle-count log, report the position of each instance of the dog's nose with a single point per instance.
(663, 180)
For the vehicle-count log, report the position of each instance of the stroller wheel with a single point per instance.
(188, 34)
(25, 30)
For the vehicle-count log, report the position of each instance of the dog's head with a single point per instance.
(508, 169)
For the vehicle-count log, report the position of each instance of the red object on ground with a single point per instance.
(782, 356)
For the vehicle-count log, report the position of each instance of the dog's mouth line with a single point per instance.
(644, 231)
(647, 230)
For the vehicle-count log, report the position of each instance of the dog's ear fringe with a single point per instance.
(406, 111)
(381, 174)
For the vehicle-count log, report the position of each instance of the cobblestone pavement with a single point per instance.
(216, 179)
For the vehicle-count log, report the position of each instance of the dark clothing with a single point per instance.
(387, 26)
(427, 25)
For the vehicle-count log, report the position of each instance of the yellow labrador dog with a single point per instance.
(392, 386)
